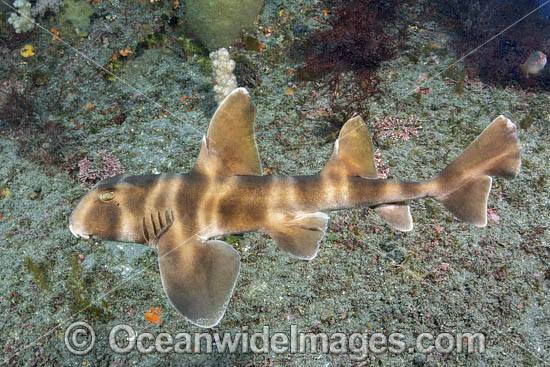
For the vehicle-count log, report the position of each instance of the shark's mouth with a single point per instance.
(79, 234)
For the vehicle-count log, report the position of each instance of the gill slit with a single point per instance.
(159, 227)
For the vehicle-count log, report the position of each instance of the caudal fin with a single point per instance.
(463, 187)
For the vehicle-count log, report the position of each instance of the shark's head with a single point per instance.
(113, 209)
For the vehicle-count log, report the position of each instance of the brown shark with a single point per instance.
(226, 193)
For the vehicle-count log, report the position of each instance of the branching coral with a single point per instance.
(222, 67)
(102, 166)
(397, 128)
(21, 20)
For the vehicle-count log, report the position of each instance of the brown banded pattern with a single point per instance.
(225, 193)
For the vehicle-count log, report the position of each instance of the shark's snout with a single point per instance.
(76, 227)
(78, 232)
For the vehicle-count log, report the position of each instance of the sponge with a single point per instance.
(217, 23)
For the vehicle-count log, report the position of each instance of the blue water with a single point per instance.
(545, 10)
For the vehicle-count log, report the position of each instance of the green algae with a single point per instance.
(38, 273)
(74, 19)
(527, 121)
(113, 68)
(460, 83)
(80, 302)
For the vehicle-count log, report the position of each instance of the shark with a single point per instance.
(225, 192)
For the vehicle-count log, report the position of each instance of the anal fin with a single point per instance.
(299, 233)
(397, 215)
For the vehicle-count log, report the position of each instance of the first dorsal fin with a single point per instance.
(353, 155)
(229, 147)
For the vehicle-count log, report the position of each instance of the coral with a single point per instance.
(42, 6)
(21, 20)
(222, 67)
(217, 23)
(102, 166)
(381, 169)
(397, 128)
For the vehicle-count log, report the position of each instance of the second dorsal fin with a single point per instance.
(353, 155)
(229, 147)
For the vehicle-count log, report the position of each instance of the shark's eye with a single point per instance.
(107, 196)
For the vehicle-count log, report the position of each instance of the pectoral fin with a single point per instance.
(299, 233)
(198, 276)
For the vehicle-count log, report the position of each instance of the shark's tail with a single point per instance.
(463, 187)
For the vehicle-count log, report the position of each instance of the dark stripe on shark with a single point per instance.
(246, 205)
(114, 220)
(361, 189)
(111, 182)
(308, 190)
(145, 181)
(190, 194)
(144, 184)
(162, 199)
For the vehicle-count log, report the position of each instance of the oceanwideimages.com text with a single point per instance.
(80, 339)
